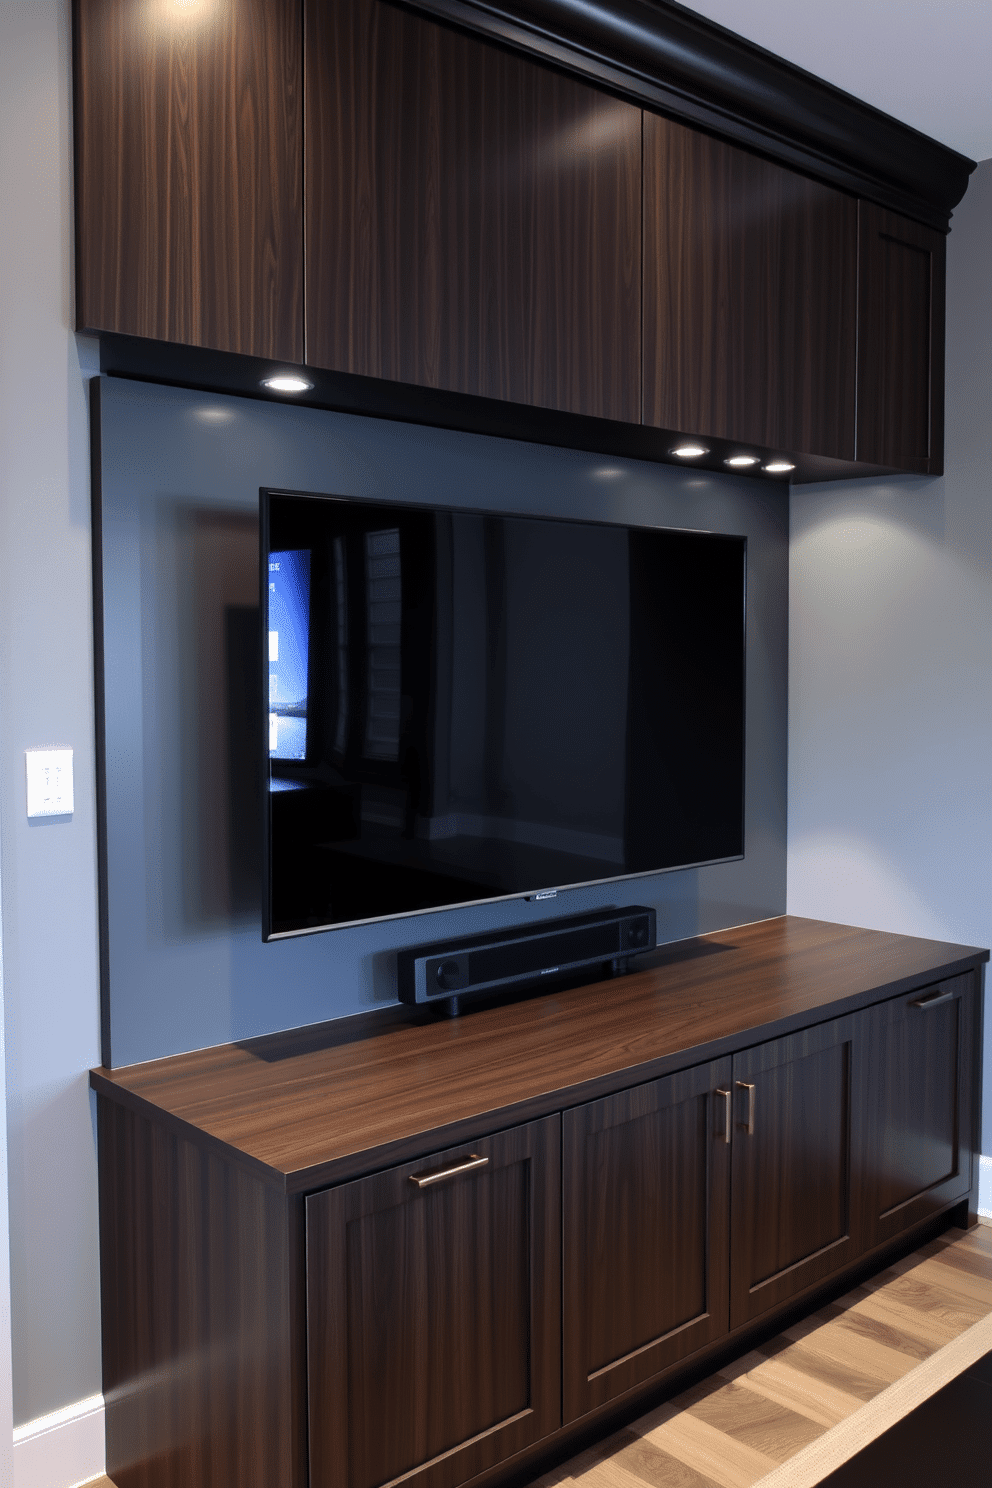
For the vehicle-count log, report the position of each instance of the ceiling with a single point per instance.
(926, 62)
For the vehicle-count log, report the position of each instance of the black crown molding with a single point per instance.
(669, 59)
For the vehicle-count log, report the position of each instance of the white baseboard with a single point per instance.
(63, 1449)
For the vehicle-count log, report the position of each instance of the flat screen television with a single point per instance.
(465, 706)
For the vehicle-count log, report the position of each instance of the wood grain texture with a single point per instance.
(901, 292)
(918, 1129)
(794, 1409)
(203, 1337)
(473, 218)
(435, 1316)
(646, 1230)
(329, 1101)
(189, 135)
(750, 297)
(796, 1191)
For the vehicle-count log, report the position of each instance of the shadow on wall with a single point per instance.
(202, 718)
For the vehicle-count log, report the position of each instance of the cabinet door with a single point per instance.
(189, 204)
(796, 1199)
(645, 1213)
(900, 342)
(918, 1139)
(750, 297)
(433, 1313)
(473, 218)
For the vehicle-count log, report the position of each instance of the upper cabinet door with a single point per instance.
(900, 342)
(189, 173)
(473, 218)
(750, 297)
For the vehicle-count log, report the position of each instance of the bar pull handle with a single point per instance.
(749, 1125)
(923, 1003)
(441, 1175)
(728, 1113)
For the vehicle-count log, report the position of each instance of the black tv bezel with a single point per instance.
(540, 891)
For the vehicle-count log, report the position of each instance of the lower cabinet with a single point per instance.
(798, 1105)
(427, 1322)
(434, 1313)
(646, 1206)
(921, 1084)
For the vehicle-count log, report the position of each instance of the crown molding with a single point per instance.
(676, 62)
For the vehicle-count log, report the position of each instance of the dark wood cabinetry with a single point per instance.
(900, 342)
(798, 1108)
(473, 218)
(189, 150)
(434, 1306)
(918, 1136)
(750, 297)
(394, 1250)
(646, 1204)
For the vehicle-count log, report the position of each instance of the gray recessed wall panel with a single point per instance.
(185, 965)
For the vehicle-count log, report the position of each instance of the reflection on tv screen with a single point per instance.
(289, 652)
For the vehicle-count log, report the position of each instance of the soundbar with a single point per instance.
(450, 971)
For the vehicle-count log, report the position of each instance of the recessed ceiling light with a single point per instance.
(778, 467)
(287, 382)
(690, 451)
(740, 461)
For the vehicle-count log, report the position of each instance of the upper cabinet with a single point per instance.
(900, 342)
(472, 218)
(659, 226)
(189, 147)
(750, 297)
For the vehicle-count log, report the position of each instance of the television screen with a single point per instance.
(464, 706)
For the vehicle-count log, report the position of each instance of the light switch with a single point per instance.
(49, 774)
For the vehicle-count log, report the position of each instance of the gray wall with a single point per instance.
(48, 869)
(180, 479)
(890, 663)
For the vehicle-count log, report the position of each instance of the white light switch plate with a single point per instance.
(49, 774)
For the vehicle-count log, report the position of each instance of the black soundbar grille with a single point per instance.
(545, 953)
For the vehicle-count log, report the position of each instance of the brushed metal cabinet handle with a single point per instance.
(439, 1175)
(749, 1126)
(928, 1002)
(728, 1113)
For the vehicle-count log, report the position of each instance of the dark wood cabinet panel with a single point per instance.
(434, 1314)
(750, 297)
(646, 1190)
(798, 1111)
(203, 1321)
(918, 1138)
(189, 173)
(900, 342)
(473, 219)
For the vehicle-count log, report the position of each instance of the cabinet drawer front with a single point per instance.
(796, 1207)
(917, 1139)
(433, 1313)
(646, 1184)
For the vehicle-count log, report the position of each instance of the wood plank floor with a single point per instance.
(790, 1413)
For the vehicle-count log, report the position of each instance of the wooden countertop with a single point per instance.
(327, 1102)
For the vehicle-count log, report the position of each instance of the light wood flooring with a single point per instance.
(794, 1410)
